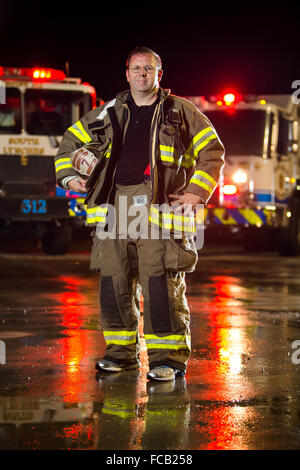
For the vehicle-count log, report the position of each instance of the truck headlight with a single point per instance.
(240, 176)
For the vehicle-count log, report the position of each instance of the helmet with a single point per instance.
(85, 159)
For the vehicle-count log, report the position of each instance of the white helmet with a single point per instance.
(85, 159)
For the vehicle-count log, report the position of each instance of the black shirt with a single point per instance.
(134, 157)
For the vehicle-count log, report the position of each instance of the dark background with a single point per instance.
(205, 47)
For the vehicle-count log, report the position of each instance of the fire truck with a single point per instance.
(37, 105)
(258, 198)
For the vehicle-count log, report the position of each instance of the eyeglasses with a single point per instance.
(138, 69)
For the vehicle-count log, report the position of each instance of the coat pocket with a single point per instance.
(181, 255)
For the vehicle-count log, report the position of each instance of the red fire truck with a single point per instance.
(37, 105)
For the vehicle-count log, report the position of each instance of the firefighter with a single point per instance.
(166, 184)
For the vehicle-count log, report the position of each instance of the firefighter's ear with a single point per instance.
(160, 74)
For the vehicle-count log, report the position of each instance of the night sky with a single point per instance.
(253, 49)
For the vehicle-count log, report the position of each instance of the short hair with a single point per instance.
(143, 50)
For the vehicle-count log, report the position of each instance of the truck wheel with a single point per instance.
(56, 240)
(289, 242)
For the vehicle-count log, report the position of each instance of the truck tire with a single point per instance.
(289, 241)
(56, 240)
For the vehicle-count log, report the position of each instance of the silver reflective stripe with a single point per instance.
(165, 341)
(65, 181)
(203, 138)
(204, 180)
(104, 110)
(96, 214)
(63, 163)
(167, 153)
(122, 337)
(118, 338)
(168, 342)
(78, 130)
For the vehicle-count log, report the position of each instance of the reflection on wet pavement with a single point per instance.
(241, 390)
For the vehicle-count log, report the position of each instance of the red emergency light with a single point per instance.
(228, 99)
(35, 73)
(47, 74)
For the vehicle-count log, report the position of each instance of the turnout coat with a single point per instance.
(185, 155)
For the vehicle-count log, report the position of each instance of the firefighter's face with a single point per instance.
(143, 74)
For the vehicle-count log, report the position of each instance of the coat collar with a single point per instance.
(125, 96)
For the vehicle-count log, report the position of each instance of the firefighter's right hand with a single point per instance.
(78, 185)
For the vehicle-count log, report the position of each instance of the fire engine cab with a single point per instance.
(37, 105)
(258, 198)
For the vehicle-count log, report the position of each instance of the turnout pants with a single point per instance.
(128, 263)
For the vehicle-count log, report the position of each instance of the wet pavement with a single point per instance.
(241, 390)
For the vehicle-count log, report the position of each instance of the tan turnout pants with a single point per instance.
(127, 262)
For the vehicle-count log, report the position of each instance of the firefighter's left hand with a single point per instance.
(187, 201)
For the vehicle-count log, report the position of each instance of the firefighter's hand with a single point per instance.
(78, 185)
(186, 202)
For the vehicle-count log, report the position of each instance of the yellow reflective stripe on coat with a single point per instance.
(62, 164)
(204, 180)
(108, 152)
(78, 130)
(96, 214)
(120, 337)
(202, 138)
(166, 153)
(188, 161)
(171, 221)
(168, 342)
